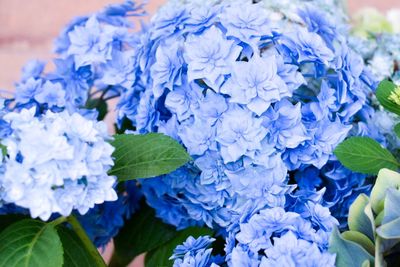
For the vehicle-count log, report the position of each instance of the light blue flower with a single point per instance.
(285, 128)
(290, 251)
(240, 133)
(60, 161)
(192, 245)
(168, 67)
(258, 231)
(209, 56)
(32, 69)
(88, 45)
(25, 91)
(305, 46)
(256, 84)
(51, 94)
(246, 23)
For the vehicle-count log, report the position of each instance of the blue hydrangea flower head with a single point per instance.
(290, 251)
(259, 95)
(208, 56)
(61, 161)
(193, 252)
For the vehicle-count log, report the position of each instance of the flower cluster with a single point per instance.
(55, 163)
(104, 221)
(249, 103)
(194, 252)
(260, 97)
(93, 51)
(94, 62)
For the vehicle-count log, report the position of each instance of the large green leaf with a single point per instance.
(358, 220)
(365, 155)
(142, 233)
(75, 253)
(383, 93)
(397, 129)
(348, 253)
(30, 243)
(143, 156)
(386, 179)
(160, 256)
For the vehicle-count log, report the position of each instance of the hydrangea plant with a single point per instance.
(259, 96)
(58, 162)
(373, 220)
(258, 93)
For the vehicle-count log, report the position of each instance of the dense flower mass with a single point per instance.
(194, 252)
(94, 61)
(55, 163)
(258, 92)
(260, 96)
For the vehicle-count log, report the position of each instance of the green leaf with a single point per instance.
(365, 155)
(360, 239)
(385, 89)
(3, 150)
(397, 130)
(143, 156)
(100, 105)
(348, 253)
(358, 220)
(142, 233)
(366, 264)
(75, 253)
(379, 218)
(30, 243)
(386, 179)
(160, 256)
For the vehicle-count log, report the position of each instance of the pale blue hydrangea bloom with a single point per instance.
(56, 163)
(290, 251)
(254, 241)
(253, 106)
(209, 56)
(194, 253)
(103, 35)
(254, 86)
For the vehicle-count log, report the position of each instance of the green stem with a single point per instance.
(379, 261)
(76, 226)
(58, 221)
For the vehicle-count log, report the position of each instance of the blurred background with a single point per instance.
(29, 27)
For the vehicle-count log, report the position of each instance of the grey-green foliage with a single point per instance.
(374, 224)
